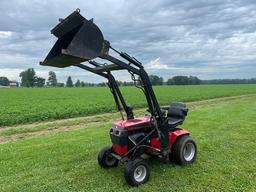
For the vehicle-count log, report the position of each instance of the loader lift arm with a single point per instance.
(138, 69)
(112, 84)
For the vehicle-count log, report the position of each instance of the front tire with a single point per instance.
(184, 150)
(105, 159)
(136, 172)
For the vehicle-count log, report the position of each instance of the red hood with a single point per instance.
(143, 122)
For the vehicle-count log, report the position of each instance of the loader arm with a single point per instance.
(118, 97)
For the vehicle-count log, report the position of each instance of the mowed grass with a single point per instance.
(67, 161)
(25, 105)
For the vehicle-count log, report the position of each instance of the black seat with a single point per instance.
(177, 113)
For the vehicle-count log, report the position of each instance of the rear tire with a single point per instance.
(184, 150)
(105, 159)
(136, 172)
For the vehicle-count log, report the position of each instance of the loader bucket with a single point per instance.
(79, 40)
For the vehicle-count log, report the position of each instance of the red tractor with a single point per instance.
(80, 40)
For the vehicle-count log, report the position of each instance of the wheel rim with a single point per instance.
(110, 161)
(189, 151)
(140, 173)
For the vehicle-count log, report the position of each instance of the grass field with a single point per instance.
(30, 105)
(66, 161)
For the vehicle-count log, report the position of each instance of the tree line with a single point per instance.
(30, 79)
(230, 81)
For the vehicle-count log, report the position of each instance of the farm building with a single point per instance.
(13, 84)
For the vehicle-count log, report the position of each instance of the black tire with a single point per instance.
(136, 172)
(105, 159)
(184, 150)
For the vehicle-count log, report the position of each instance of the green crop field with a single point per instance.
(39, 104)
(67, 161)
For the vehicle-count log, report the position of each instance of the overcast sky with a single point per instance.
(209, 39)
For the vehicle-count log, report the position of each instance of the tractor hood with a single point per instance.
(132, 124)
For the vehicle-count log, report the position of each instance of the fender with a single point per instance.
(155, 142)
(177, 133)
(120, 150)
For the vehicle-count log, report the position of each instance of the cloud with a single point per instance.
(156, 64)
(5, 34)
(210, 39)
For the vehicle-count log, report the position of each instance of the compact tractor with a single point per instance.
(157, 135)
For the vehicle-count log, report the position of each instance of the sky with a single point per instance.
(209, 39)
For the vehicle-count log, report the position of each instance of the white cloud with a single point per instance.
(10, 73)
(5, 34)
(156, 64)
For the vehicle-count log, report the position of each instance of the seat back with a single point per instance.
(177, 110)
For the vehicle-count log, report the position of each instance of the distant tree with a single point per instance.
(125, 83)
(103, 84)
(91, 84)
(119, 83)
(180, 80)
(156, 80)
(28, 78)
(4, 81)
(170, 82)
(192, 80)
(230, 81)
(60, 84)
(184, 80)
(82, 84)
(128, 83)
(252, 81)
(78, 84)
(39, 82)
(52, 79)
(69, 82)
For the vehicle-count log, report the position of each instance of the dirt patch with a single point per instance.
(46, 128)
(14, 137)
